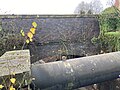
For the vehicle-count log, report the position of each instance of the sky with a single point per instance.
(40, 6)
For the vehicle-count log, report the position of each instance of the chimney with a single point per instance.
(117, 4)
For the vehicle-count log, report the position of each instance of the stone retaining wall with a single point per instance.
(56, 35)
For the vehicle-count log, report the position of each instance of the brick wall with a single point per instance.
(117, 4)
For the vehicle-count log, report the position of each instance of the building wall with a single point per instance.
(117, 4)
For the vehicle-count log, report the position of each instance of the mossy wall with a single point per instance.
(56, 35)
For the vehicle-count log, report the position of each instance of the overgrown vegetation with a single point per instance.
(109, 37)
(15, 81)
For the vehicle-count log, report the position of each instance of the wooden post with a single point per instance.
(15, 62)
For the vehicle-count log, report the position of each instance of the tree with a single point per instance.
(89, 12)
(82, 7)
(94, 7)
(97, 6)
(111, 2)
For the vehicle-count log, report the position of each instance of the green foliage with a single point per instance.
(109, 37)
(111, 18)
(112, 34)
(110, 10)
(113, 23)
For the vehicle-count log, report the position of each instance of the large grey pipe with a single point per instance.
(77, 72)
